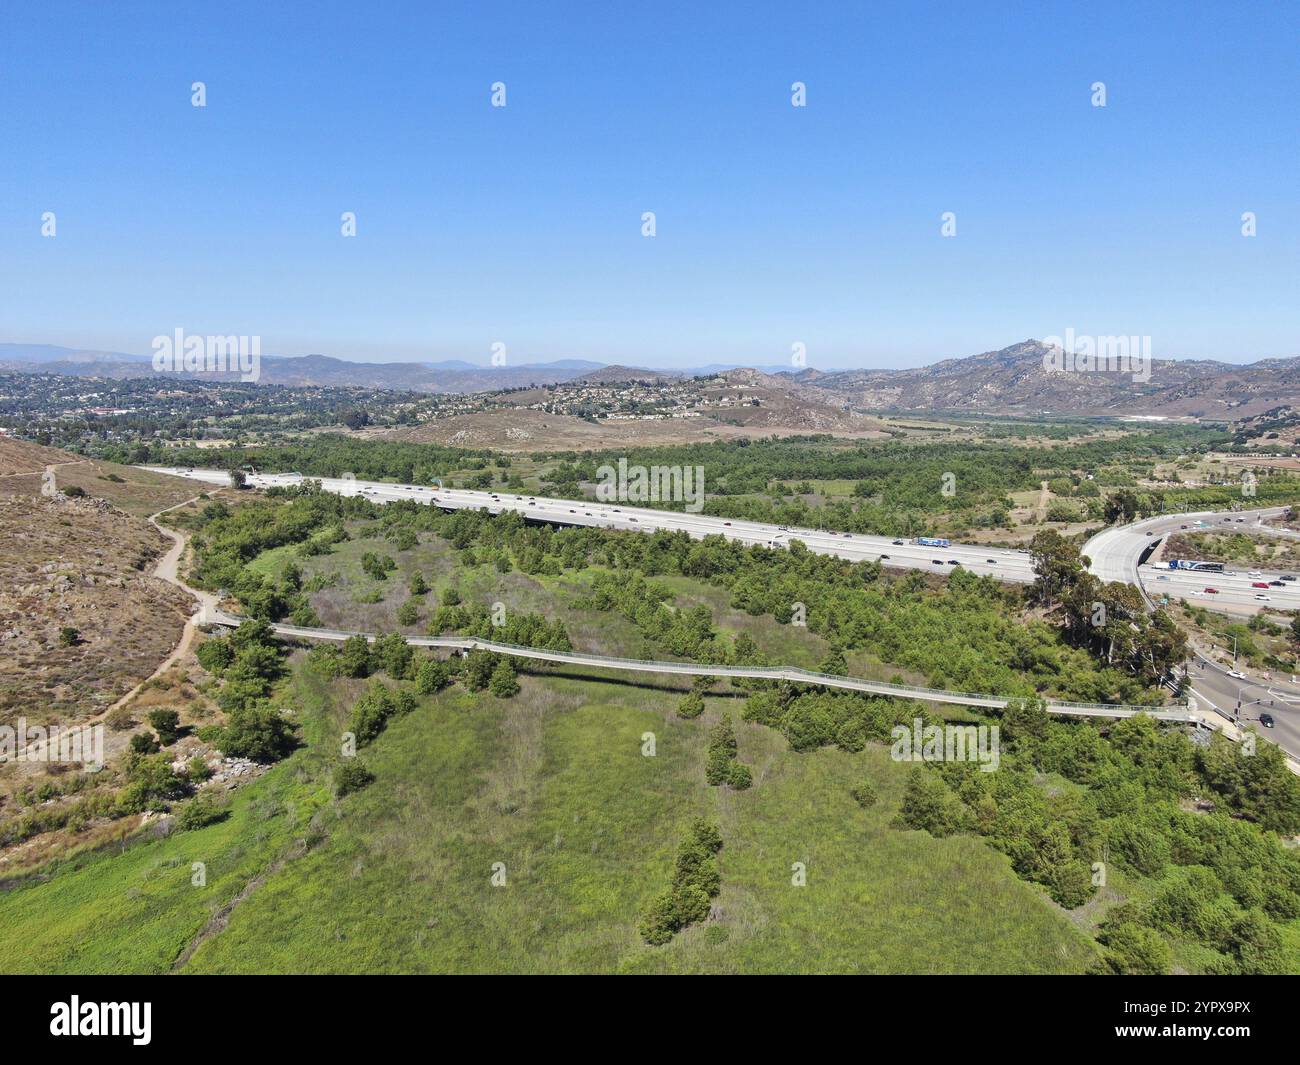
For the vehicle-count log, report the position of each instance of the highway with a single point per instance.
(890, 551)
(1115, 555)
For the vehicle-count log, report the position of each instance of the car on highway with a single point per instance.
(1266, 720)
(991, 561)
(937, 561)
(1211, 591)
(883, 557)
(1263, 598)
(726, 523)
(1254, 573)
(1162, 576)
(1259, 584)
(1236, 674)
(897, 543)
(1276, 584)
(953, 562)
(1287, 577)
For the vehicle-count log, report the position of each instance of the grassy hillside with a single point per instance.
(553, 784)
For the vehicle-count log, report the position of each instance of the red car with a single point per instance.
(1259, 584)
(1211, 591)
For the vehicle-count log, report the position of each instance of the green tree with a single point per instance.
(257, 732)
(167, 724)
(504, 683)
(354, 657)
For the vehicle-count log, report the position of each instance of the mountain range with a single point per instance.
(1021, 379)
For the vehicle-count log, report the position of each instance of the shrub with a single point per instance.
(695, 880)
(144, 743)
(432, 676)
(740, 776)
(69, 637)
(151, 784)
(167, 724)
(119, 719)
(215, 655)
(198, 812)
(256, 732)
(1132, 950)
(929, 804)
(197, 770)
(354, 657)
(350, 775)
(691, 706)
(863, 794)
(720, 765)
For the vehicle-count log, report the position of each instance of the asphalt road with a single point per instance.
(898, 553)
(1115, 555)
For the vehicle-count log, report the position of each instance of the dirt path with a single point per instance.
(167, 569)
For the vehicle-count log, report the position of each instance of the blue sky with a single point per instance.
(775, 224)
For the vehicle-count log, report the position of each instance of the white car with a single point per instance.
(1256, 573)
(1237, 674)
(1263, 598)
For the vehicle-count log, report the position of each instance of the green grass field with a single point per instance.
(554, 785)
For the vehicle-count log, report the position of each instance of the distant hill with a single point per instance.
(1019, 380)
(1013, 380)
(613, 375)
(48, 353)
(454, 376)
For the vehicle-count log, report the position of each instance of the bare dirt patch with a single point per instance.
(81, 565)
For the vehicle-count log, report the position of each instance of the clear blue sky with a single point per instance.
(775, 224)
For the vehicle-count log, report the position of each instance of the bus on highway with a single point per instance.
(1202, 567)
(931, 541)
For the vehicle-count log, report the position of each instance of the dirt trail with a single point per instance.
(167, 569)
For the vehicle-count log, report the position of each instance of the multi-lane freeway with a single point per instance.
(896, 552)
(1117, 555)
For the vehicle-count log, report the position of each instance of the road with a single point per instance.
(1115, 554)
(891, 551)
